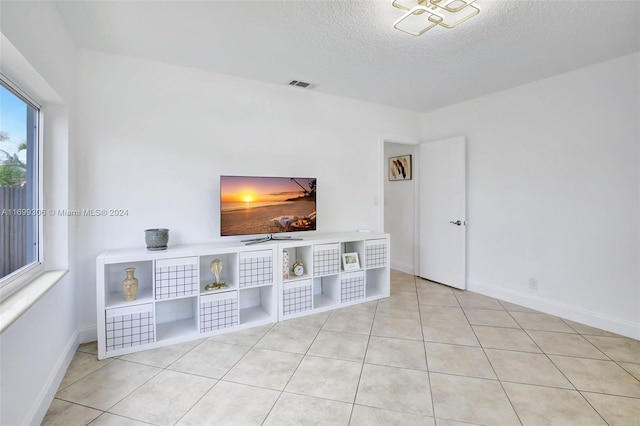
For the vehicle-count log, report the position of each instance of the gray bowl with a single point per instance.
(156, 239)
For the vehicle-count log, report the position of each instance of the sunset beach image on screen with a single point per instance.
(251, 205)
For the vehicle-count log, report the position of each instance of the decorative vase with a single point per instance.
(156, 238)
(130, 285)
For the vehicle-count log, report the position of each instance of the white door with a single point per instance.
(442, 211)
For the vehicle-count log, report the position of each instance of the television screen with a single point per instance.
(251, 205)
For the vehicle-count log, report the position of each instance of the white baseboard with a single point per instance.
(573, 313)
(43, 400)
(407, 268)
(88, 334)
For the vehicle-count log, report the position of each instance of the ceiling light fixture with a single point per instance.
(422, 15)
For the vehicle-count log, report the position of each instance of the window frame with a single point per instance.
(19, 278)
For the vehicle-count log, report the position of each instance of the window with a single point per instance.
(20, 214)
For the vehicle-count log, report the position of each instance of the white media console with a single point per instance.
(173, 306)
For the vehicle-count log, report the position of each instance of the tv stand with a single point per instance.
(269, 237)
(172, 305)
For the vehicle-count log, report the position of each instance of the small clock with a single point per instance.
(298, 268)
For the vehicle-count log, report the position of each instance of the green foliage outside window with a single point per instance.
(13, 172)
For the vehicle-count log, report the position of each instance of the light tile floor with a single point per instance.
(427, 355)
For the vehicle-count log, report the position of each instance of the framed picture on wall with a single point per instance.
(400, 167)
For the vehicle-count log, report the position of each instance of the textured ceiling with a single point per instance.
(349, 47)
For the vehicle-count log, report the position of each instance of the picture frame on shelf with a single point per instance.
(400, 168)
(350, 261)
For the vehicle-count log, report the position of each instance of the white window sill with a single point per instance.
(19, 302)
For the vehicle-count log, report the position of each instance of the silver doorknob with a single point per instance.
(457, 222)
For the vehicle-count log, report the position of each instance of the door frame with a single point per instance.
(404, 140)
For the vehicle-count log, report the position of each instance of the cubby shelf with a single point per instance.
(172, 305)
(331, 286)
(175, 329)
(257, 313)
(116, 299)
(229, 287)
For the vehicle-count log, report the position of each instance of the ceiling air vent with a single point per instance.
(299, 84)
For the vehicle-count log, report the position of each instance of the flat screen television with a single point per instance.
(253, 205)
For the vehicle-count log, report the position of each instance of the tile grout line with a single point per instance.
(364, 357)
(163, 369)
(491, 364)
(575, 388)
(426, 356)
(294, 371)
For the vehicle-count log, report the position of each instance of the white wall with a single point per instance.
(553, 192)
(399, 210)
(35, 351)
(155, 138)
